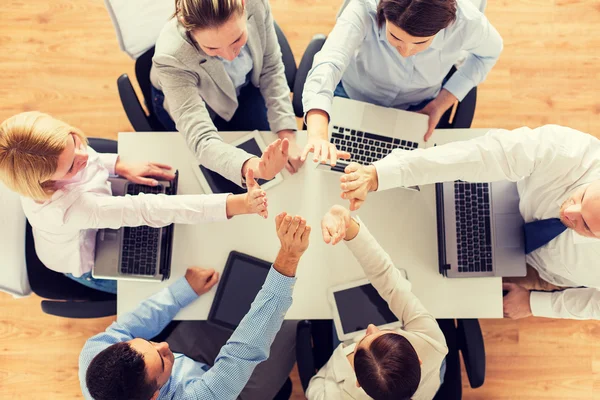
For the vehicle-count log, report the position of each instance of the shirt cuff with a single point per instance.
(387, 173)
(182, 292)
(216, 204)
(541, 304)
(109, 161)
(318, 102)
(278, 284)
(459, 85)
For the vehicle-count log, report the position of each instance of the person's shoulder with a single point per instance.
(467, 10)
(171, 44)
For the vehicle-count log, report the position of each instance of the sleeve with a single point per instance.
(483, 44)
(109, 161)
(576, 303)
(273, 83)
(331, 62)
(392, 286)
(145, 322)
(498, 155)
(248, 346)
(191, 117)
(93, 211)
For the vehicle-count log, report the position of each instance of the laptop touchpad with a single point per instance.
(509, 230)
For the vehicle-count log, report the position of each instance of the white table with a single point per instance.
(403, 221)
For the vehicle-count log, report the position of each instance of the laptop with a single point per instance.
(138, 253)
(480, 230)
(369, 132)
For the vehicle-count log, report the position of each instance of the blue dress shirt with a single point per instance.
(239, 68)
(358, 53)
(248, 346)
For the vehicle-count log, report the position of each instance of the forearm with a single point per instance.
(575, 303)
(155, 210)
(250, 343)
(317, 124)
(498, 155)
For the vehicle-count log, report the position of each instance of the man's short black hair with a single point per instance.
(119, 373)
(389, 369)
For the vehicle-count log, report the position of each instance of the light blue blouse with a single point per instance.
(358, 53)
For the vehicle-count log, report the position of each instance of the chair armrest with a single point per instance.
(304, 353)
(80, 309)
(470, 343)
(465, 111)
(305, 66)
(131, 104)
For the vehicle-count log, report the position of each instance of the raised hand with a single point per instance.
(256, 198)
(334, 224)
(293, 234)
(357, 182)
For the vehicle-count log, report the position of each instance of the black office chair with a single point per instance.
(65, 297)
(465, 109)
(314, 346)
(147, 122)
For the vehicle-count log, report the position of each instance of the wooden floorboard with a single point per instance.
(62, 57)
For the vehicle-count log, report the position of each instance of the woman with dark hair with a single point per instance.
(396, 53)
(407, 363)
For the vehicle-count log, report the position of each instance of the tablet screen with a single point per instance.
(241, 281)
(360, 306)
(219, 184)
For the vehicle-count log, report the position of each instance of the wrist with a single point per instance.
(352, 230)
(373, 180)
(236, 204)
(118, 165)
(251, 163)
(317, 123)
(286, 263)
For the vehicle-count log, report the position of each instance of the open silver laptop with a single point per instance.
(135, 253)
(480, 230)
(369, 132)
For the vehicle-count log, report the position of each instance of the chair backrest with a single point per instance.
(287, 56)
(13, 279)
(138, 23)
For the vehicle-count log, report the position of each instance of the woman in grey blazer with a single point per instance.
(217, 67)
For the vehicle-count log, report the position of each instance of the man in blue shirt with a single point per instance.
(121, 363)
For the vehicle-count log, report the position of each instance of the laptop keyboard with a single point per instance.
(366, 147)
(139, 254)
(473, 226)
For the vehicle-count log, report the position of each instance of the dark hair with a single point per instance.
(202, 14)
(119, 373)
(389, 369)
(419, 18)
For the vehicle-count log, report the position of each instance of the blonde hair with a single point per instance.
(202, 14)
(30, 144)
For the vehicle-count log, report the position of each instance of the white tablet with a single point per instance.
(212, 182)
(357, 304)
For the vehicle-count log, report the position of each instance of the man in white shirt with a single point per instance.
(404, 363)
(557, 170)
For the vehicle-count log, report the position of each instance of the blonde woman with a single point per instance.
(217, 67)
(66, 194)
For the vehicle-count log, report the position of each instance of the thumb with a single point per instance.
(432, 125)
(250, 182)
(352, 167)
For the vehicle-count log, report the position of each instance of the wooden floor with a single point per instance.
(62, 57)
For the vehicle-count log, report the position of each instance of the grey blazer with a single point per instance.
(194, 82)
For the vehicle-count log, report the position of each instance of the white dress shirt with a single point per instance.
(65, 226)
(337, 380)
(358, 53)
(548, 164)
